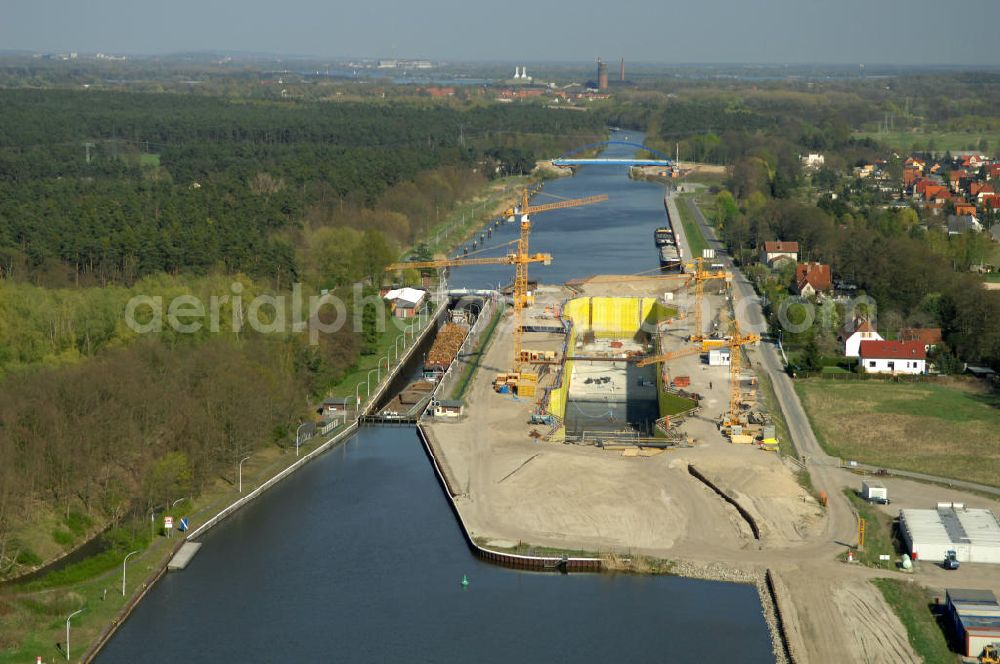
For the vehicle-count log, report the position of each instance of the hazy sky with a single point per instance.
(755, 31)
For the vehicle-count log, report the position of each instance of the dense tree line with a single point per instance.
(105, 188)
(908, 269)
(140, 427)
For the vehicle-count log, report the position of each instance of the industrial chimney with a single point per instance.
(602, 75)
(621, 71)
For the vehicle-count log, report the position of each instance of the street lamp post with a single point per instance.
(298, 438)
(123, 570)
(75, 613)
(357, 397)
(368, 378)
(241, 472)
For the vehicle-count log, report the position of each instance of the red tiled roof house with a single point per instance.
(893, 357)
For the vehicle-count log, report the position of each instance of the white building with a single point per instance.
(775, 252)
(813, 160)
(893, 357)
(406, 302)
(851, 336)
(973, 534)
(719, 357)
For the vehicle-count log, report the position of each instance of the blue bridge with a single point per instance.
(568, 159)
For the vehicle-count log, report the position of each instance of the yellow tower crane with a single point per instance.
(736, 342)
(519, 259)
(700, 276)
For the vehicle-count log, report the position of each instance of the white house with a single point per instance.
(893, 357)
(405, 302)
(813, 160)
(851, 336)
(778, 251)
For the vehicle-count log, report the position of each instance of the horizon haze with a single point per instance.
(714, 31)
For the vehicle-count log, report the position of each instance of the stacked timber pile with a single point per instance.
(449, 339)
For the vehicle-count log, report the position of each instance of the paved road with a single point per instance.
(823, 468)
(751, 317)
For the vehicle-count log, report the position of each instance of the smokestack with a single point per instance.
(621, 71)
(602, 75)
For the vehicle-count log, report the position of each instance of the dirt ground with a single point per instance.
(516, 488)
(842, 620)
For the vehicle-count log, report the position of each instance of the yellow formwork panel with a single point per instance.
(612, 316)
(606, 317)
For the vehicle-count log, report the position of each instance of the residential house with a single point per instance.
(965, 209)
(994, 172)
(777, 251)
(893, 357)
(852, 335)
(406, 302)
(812, 278)
(981, 190)
(956, 179)
(865, 171)
(963, 224)
(813, 161)
(915, 163)
(930, 337)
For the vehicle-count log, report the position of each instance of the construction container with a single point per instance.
(719, 357)
(768, 432)
(682, 381)
(741, 439)
(874, 491)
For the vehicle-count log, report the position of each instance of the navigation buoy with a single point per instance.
(465, 581)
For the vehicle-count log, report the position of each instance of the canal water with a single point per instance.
(358, 557)
(614, 237)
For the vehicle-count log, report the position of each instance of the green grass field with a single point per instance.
(912, 605)
(695, 238)
(878, 533)
(904, 141)
(949, 429)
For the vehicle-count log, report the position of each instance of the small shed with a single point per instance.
(447, 408)
(406, 302)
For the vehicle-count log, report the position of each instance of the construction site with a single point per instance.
(623, 415)
(581, 376)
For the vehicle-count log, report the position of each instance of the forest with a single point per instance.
(105, 196)
(103, 187)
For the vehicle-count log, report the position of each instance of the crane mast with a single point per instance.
(520, 259)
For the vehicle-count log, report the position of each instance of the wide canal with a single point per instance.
(358, 557)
